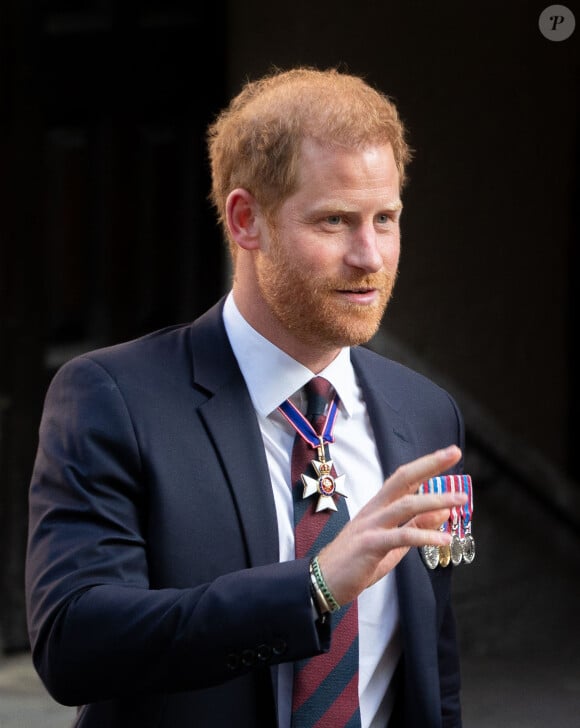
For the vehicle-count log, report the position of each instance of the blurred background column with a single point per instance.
(105, 227)
(22, 302)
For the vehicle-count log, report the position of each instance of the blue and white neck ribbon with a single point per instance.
(303, 426)
(325, 485)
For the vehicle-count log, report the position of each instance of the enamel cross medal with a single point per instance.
(325, 484)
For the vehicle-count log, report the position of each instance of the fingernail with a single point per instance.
(446, 452)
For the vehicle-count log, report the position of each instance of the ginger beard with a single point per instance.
(308, 305)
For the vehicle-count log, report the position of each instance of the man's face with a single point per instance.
(328, 269)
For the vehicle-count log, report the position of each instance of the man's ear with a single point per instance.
(242, 213)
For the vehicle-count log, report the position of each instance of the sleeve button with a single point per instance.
(233, 661)
(248, 658)
(264, 653)
(279, 646)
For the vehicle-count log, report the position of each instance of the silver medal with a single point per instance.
(468, 548)
(430, 556)
(467, 542)
(456, 550)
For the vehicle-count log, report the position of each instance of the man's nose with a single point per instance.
(364, 251)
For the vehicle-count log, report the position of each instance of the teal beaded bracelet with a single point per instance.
(322, 585)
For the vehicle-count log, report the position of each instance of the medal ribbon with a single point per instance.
(468, 507)
(455, 521)
(437, 485)
(305, 429)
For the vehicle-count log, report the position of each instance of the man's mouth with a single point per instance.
(364, 295)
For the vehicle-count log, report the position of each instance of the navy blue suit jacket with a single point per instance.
(155, 597)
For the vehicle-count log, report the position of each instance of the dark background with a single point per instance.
(106, 232)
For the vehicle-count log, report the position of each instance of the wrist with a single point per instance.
(321, 594)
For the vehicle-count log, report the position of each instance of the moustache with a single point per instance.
(379, 281)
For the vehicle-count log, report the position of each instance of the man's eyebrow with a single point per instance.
(341, 205)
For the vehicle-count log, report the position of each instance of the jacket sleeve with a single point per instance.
(98, 629)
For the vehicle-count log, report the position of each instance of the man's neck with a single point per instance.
(312, 355)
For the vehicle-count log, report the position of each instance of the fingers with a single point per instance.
(396, 519)
(409, 476)
(413, 534)
(419, 505)
(397, 501)
(432, 519)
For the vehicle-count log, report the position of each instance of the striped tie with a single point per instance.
(326, 686)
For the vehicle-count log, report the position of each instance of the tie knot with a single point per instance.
(318, 392)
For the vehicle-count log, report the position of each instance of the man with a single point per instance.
(163, 584)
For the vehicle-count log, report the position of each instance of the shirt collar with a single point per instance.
(271, 375)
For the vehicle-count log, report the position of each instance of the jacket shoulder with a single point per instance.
(391, 375)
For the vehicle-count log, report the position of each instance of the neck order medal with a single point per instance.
(324, 484)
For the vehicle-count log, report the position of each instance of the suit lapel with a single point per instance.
(397, 443)
(229, 416)
(396, 439)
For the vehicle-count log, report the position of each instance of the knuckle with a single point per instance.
(404, 472)
(403, 469)
(410, 503)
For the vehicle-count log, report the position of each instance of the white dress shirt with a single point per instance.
(272, 376)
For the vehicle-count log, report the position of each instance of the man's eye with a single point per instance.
(383, 219)
(334, 219)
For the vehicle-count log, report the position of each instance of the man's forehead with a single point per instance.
(387, 200)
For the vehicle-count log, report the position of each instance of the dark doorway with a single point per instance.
(105, 228)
